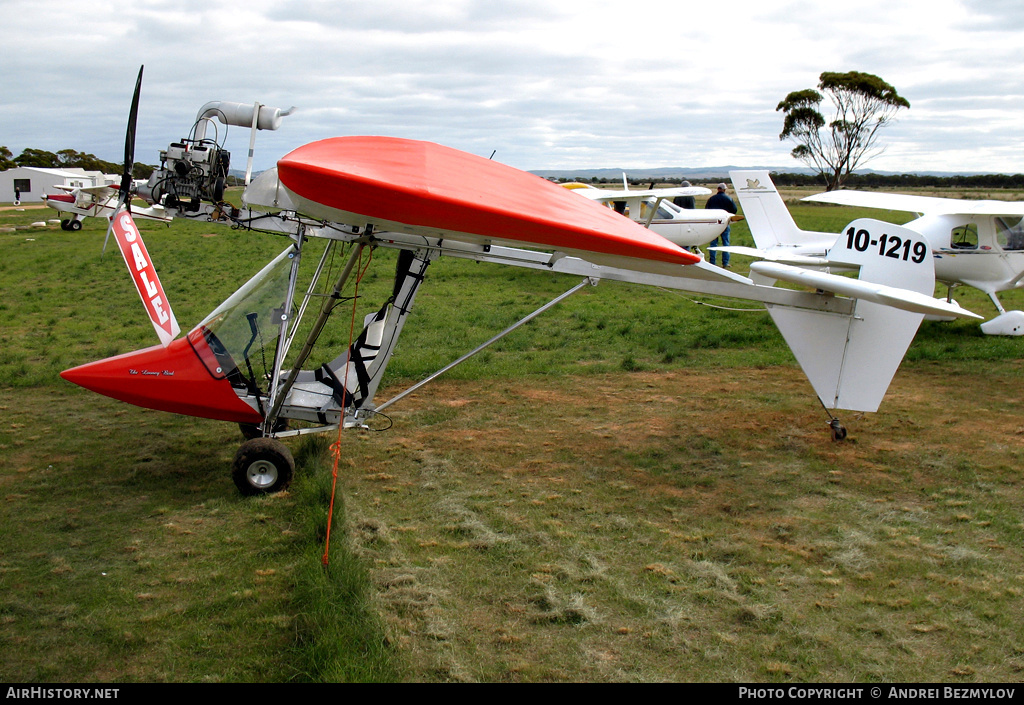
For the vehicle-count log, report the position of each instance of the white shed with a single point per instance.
(28, 183)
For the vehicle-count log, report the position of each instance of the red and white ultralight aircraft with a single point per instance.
(428, 201)
(78, 202)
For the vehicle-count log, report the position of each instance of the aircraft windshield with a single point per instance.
(666, 210)
(1010, 232)
(242, 331)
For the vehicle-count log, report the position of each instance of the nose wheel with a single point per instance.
(262, 466)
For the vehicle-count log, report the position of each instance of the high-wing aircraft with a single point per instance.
(78, 202)
(356, 194)
(976, 243)
(654, 209)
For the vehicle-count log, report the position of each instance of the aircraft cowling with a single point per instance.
(170, 379)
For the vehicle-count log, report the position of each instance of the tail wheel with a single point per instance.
(837, 430)
(262, 466)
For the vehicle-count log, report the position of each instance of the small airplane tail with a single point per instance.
(850, 358)
(770, 223)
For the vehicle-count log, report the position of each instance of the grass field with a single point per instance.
(634, 487)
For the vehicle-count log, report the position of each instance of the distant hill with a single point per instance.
(615, 174)
(710, 173)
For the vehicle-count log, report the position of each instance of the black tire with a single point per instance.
(837, 430)
(64, 224)
(262, 466)
(74, 225)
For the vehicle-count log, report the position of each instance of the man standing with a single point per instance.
(688, 202)
(722, 202)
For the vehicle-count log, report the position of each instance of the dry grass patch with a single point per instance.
(652, 526)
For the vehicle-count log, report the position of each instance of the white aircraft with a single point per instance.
(976, 243)
(654, 209)
(94, 201)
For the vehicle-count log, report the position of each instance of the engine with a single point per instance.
(195, 170)
(190, 172)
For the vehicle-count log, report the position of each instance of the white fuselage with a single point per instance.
(80, 204)
(687, 227)
(983, 251)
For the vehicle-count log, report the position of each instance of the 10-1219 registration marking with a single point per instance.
(888, 245)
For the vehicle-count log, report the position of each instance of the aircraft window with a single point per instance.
(664, 214)
(1010, 232)
(242, 331)
(964, 237)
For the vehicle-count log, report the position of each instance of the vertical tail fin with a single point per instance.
(770, 223)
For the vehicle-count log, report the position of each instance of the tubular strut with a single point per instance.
(282, 392)
(588, 281)
(293, 277)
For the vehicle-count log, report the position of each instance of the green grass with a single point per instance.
(631, 487)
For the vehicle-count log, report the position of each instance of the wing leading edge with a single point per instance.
(429, 189)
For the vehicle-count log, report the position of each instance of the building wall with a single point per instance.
(40, 181)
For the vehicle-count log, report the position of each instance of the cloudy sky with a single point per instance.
(544, 84)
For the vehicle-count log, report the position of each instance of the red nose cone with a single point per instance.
(167, 379)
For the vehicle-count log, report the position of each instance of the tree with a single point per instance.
(6, 161)
(69, 158)
(864, 104)
(37, 157)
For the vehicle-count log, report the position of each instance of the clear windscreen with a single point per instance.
(243, 330)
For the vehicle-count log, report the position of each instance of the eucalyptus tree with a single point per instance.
(863, 105)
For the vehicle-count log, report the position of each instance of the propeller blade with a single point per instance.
(140, 266)
(129, 142)
(109, 228)
(125, 191)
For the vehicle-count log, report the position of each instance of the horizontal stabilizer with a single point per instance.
(774, 255)
(855, 288)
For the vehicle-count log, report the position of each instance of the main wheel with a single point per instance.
(262, 466)
(74, 225)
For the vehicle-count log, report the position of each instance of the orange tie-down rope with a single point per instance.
(336, 446)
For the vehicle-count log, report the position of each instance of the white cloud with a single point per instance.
(570, 84)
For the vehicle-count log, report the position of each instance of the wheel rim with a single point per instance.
(262, 474)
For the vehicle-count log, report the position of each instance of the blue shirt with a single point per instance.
(721, 202)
